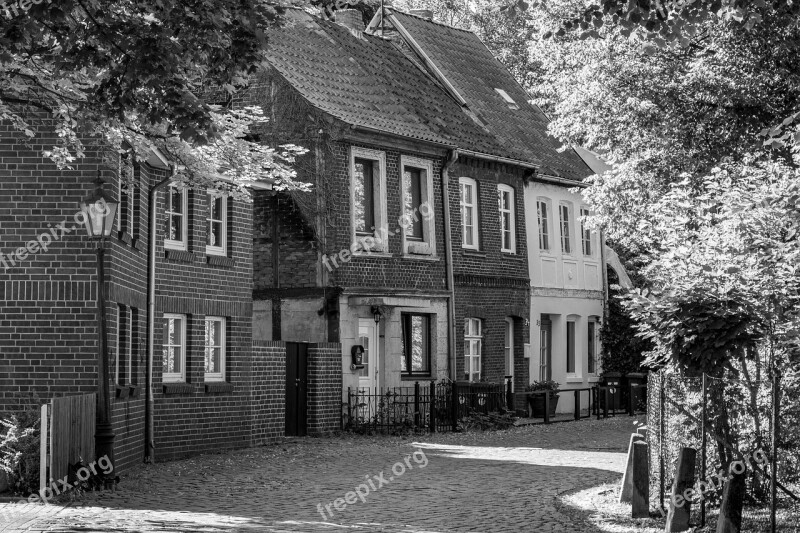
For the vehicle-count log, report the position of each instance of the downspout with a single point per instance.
(452, 157)
(149, 443)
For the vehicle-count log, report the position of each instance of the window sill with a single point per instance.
(377, 255)
(467, 252)
(574, 379)
(218, 386)
(420, 257)
(593, 379)
(136, 244)
(125, 237)
(513, 256)
(179, 255)
(178, 388)
(417, 378)
(221, 261)
(127, 391)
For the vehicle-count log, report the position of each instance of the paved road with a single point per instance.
(487, 482)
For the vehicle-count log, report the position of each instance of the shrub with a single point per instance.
(19, 449)
(487, 422)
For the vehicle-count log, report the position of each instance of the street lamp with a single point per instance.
(98, 216)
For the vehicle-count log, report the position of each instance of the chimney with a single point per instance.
(349, 18)
(426, 14)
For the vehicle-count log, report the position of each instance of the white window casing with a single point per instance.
(473, 346)
(470, 215)
(176, 213)
(174, 348)
(380, 232)
(214, 348)
(217, 224)
(507, 208)
(565, 225)
(543, 210)
(424, 214)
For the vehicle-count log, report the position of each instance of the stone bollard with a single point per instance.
(640, 498)
(626, 489)
(679, 507)
(730, 510)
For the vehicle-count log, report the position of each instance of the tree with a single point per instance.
(136, 72)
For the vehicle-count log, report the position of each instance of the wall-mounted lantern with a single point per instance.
(357, 355)
(377, 313)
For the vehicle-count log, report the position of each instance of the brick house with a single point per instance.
(211, 387)
(443, 297)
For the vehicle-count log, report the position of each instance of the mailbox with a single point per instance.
(357, 353)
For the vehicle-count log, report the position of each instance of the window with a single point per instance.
(215, 349)
(128, 194)
(509, 101)
(368, 197)
(507, 231)
(176, 217)
(570, 347)
(174, 348)
(472, 349)
(542, 212)
(217, 224)
(417, 220)
(416, 344)
(592, 347)
(586, 234)
(564, 213)
(469, 213)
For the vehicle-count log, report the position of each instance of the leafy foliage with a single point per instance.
(491, 421)
(542, 385)
(19, 449)
(136, 72)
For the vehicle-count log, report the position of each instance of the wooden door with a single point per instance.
(296, 389)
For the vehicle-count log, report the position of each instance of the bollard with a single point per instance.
(730, 510)
(679, 507)
(626, 489)
(640, 497)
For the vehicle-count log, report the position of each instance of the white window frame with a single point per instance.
(181, 244)
(511, 211)
(509, 101)
(547, 223)
(428, 244)
(215, 376)
(174, 377)
(381, 233)
(217, 250)
(567, 242)
(475, 205)
(473, 335)
(586, 234)
(576, 373)
(594, 342)
(126, 189)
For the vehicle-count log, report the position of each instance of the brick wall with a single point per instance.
(324, 387)
(268, 391)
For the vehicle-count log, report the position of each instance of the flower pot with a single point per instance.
(536, 401)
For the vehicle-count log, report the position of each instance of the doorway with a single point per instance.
(509, 351)
(296, 389)
(368, 338)
(545, 348)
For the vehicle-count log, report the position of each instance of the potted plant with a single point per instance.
(536, 399)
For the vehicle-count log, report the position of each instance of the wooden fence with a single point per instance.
(69, 435)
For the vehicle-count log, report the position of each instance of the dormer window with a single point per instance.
(509, 101)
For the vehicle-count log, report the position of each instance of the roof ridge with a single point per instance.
(394, 9)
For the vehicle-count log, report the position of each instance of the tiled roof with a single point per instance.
(474, 72)
(366, 81)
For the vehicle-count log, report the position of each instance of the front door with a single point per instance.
(296, 388)
(368, 338)
(546, 349)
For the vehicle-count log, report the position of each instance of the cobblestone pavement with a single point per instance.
(493, 481)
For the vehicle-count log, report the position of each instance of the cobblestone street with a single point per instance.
(493, 481)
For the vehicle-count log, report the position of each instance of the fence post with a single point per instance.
(703, 442)
(416, 404)
(43, 449)
(547, 407)
(678, 515)
(626, 488)
(510, 397)
(661, 430)
(631, 403)
(577, 404)
(454, 401)
(606, 401)
(349, 410)
(640, 498)
(773, 463)
(432, 407)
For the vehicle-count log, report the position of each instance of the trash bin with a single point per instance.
(613, 380)
(636, 385)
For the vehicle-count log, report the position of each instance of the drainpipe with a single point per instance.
(149, 443)
(452, 156)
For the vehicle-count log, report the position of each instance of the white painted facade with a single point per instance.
(567, 289)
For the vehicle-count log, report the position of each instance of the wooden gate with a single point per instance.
(68, 433)
(296, 389)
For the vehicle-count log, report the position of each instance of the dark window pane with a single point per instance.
(363, 184)
(415, 344)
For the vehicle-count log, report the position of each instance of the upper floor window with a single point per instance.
(469, 213)
(564, 213)
(368, 196)
(215, 349)
(217, 224)
(176, 213)
(174, 348)
(128, 194)
(417, 220)
(416, 345)
(473, 341)
(507, 230)
(586, 233)
(543, 214)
